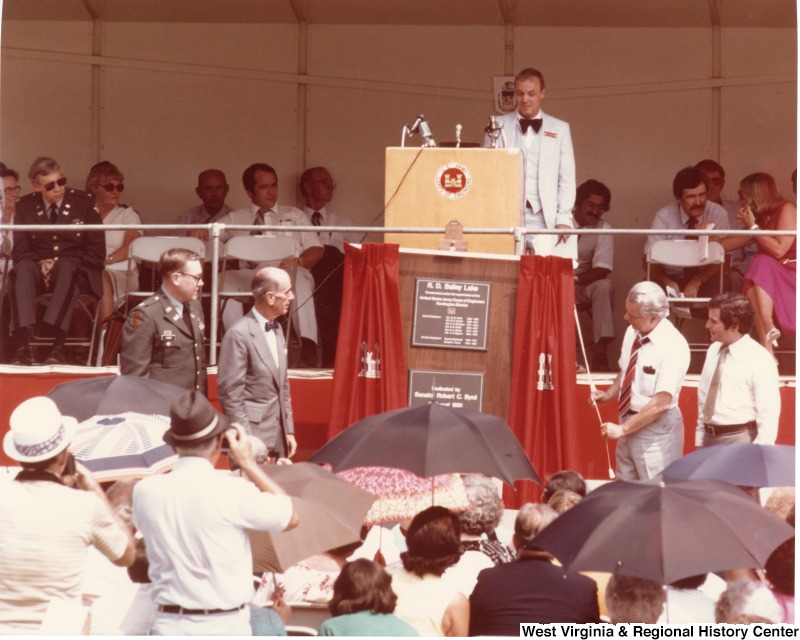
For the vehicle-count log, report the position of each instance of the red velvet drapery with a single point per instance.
(542, 410)
(370, 370)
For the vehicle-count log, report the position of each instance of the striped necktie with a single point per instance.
(630, 372)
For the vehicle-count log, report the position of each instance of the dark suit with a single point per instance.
(252, 390)
(79, 257)
(529, 590)
(156, 343)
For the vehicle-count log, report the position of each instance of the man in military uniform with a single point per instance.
(163, 337)
(63, 263)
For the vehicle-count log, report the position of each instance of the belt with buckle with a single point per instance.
(727, 429)
(174, 608)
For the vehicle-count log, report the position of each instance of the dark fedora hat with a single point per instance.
(193, 420)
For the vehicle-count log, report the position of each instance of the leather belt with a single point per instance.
(727, 429)
(174, 608)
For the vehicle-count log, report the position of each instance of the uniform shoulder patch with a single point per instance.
(136, 318)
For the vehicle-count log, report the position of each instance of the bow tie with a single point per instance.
(525, 123)
(271, 325)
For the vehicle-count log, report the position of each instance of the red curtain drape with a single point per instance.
(369, 376)
(542, 409)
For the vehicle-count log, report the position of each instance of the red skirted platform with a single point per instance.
(311, 401)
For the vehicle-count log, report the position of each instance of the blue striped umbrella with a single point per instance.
(126, 445)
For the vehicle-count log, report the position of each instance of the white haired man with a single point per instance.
(653, 363)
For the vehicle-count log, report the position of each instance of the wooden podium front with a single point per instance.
(429, 187)
(494, 362)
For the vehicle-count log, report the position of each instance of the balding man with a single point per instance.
(212, 189)
(253, 380)
(498, 605)
(260, 182)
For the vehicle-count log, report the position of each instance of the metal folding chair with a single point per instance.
(687, 253)
(148, 250)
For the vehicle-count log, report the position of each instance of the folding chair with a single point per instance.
(85, 305)
(687, 253)
(251, 251)
(148, 249)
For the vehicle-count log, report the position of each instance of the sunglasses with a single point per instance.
(110, 187)
(52, 185)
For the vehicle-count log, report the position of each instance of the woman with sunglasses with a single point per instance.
(771, 280)
(105, 183)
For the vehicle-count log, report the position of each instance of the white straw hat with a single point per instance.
(38, 431)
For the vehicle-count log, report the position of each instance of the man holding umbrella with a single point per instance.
(738, 398)
(653, 363)
(195, 525)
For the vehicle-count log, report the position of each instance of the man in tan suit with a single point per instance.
(253, 380)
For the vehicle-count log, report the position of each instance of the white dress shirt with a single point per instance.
(195, 522)
(748, 389)
(333, 219)
(661, 365)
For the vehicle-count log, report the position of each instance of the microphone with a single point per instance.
(414, 128)
(458, 135)
(493, 130)
(427, 136)
(493, 125)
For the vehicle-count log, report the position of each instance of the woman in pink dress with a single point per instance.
(770, 282)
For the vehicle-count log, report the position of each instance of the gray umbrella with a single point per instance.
(745, 465)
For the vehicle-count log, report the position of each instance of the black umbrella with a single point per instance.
(664, 531)
(429, 440)
(112, 395)
(745, 465)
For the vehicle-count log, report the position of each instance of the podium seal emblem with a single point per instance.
(453, 180)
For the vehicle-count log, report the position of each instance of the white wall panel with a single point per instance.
(163, 129)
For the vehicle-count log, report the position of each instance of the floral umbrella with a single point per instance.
(402, 494)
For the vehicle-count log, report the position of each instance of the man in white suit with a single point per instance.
(253, 379)
(548, 162)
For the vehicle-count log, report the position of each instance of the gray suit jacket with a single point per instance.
(252, 390)
(556, 177)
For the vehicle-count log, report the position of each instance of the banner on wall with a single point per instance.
(503, 92)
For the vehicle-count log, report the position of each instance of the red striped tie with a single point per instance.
(625, 393)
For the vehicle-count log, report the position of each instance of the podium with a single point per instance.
(429, 187)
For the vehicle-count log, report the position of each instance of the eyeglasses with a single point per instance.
(197, 279)
(52, 185)
(110, 187)
(328, 184)
(12, 191)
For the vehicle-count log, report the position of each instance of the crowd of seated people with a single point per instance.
(416, 595)
(762, 266)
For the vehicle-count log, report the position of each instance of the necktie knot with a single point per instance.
(316, 219)
(692, 223)
(527, 123)
(53, 213)
(270, 325)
